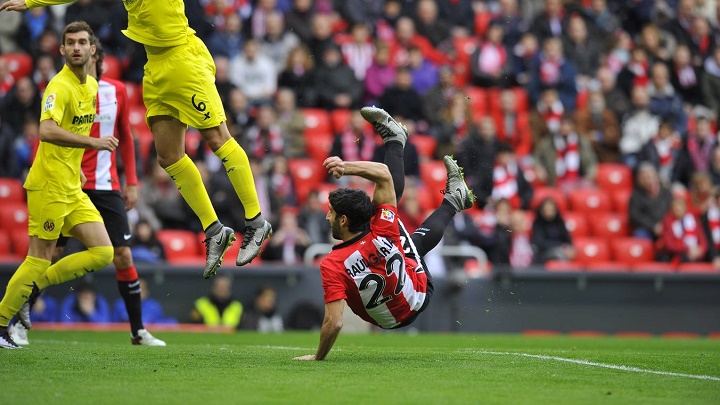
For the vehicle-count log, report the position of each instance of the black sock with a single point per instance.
(395, 161)
(428, 235)
(130, 292)
(213, 229)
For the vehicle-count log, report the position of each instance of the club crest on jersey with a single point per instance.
(49, 102)
(387, 215)
(49, 225)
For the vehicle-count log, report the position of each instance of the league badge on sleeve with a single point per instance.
(49, 102)
(387, 215)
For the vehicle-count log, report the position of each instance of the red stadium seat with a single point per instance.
(14, 216)
(562, 266)
(428, 198)
(653, 267)
(19, 64)
(425, 145)
(145, 142)
(589, 201)
(230, 254)
(541, 193)
(632, 250)
(621, 200)
(478, 100)
(11, 190)
(6, 253)
(5, 249)
(607, 267)
(589, 250)
(464, 47)
(576, 224)
(704, 268)
(307, 174)
(434, 175)
(324, 190)
(608, 225)
(20, 241)
(582, 99)
(137, 116)
(180, 246)
(316, 120)
(319, 146)
(112, 68)
(134, 92)
(340, 119)
(521, 100)
(614, 176)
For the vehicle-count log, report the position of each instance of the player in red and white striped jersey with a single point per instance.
(378, 267)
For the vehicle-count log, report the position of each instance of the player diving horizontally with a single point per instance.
(56, 202)
(103, 188)
(378, 268)
(178, 90)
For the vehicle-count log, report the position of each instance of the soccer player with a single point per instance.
(378, 268)
(103, 188)
(56, 203)
(178, 90)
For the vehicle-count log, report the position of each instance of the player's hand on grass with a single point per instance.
(105, 143)
(335, 166)
(308, 357)
(14, 5)
(130, 196)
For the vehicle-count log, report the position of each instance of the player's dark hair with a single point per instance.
(78, 26)
(355, 205)
(99, 55)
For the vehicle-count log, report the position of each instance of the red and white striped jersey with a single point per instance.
(111, 119)
(371, 272)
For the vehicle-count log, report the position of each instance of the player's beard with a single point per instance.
(335, 229)
(82, 63)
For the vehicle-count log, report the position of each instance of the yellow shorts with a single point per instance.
(51, 213)
(180, 82)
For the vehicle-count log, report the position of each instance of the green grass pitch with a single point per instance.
(393, 368)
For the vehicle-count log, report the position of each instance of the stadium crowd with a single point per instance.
(587, 129)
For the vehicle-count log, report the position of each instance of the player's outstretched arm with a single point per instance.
(14, 5)
(332, 324)
(51, 132)
(22, 5)
(378, 173)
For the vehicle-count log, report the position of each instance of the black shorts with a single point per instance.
(112, 209)
(409, 242)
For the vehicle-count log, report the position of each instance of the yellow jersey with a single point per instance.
(158, 23)
(72, 106)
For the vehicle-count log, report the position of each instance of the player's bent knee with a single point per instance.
(216, 136)
(123, 257)
(102, 255)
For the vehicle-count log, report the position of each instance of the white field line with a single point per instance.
(602, 365)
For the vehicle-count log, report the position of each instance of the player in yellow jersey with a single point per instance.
(178, 90)
(56, 202)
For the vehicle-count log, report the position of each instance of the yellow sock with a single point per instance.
(20, 286)
(189, 183)
(76, 265)
(237, 167)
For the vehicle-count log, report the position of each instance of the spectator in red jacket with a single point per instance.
(683, 238)
(513, 124)
(406, 37)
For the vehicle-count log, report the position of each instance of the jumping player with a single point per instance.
(56, 203)
(104, 189)
(178, 92)
(378, 268)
